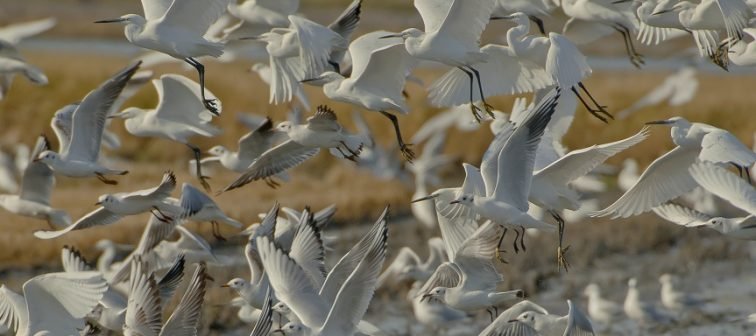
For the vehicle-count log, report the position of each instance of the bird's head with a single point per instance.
(126, 20)
(464, 199)
(236, 283)
(591, 289)
(518, 18)
(290, 329)
(632, 282)
(104, 244)
(217, 150)
(721, 224)
(284, 126)
(48, 157)
(257, 67)
(105, 200)
(128, 113)
(528, 318)
(666, 278)
(281, 308)
(437, 293)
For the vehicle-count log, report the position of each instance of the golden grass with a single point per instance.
(26, 113)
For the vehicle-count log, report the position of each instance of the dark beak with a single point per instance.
(454, 202)
(539, 23)
(37, 160)
(225, 285)
(98, 203)
(250, 38)
(429, 197)
(616, 2)
(110, 21)
(309, 80)
(425, 296)
(510, 321)
(659, 122)
(391, 36)
(507, 17)
(662, 11)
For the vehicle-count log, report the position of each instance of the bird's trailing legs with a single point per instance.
(522, 239)
(635, 58)
(216, 231)
(489, 109)
(517, 238)
(210, 104)
(493, 311)
(599, 111)
(160, 215)
(499, 251)
(473, 108)
(561, 252)
(197, 153)
(106, 180)
(538, 23)
(407, 152)
(355, 153)
(271, 182)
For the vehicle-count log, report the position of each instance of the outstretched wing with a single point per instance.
(73, 261)
(38, 180)
(184, 320)
(285, 156)
(726, 185)
(681, 215)
(98, 217)
(446, 275)
(12, 308)
(194, 15)
(143, 312)
(315, 45)
(163, 190)
(381, 65)
(14, 33)
(578, 324)
(721, 146)
(180, 102)
(90, 117)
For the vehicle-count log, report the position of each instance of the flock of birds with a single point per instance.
(525, 175)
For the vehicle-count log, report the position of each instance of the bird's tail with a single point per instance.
(504, 297)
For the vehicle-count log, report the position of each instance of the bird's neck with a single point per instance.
(133, 31)
(516, 34)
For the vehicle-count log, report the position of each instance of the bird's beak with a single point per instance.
(662, 11)
(391, 36)
(311, 80)
(98, 203)
(454, 202)
(225, 285)
(510, 321)
(36, 160)
(659, 122)
(425, 296)
(506, 17)
(429, 197)
(110, 20)
(250, 38)
(615, 2)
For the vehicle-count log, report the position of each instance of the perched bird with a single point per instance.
(113, 207)
(36, 186)
(174, 28)
(178, 116)
(602, 310)
(643, 313)
(79, 158)
(321, 131)
(574, 323)
(674, 299)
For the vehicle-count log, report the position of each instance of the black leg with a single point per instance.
(517, 238)
(216, 231)
(499, 251)
(474, 109)
(210, 104)
(538, 23)
(489, 109)
(561, 252)
(197, 156)
(522, 239)
(590, 109)
(635, 58)
(407, 152)
(601, 108)
(106, 180)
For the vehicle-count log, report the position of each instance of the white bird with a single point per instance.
(731, 16)
(668, 176)
(36, 186)
(251, 146)
(305, 141)
(629, 175)
(408, 266)
(641, 312)
(505, 323)
(503, 196)
(113, 207)
(8, 170)
(79, 158)
(178, 116)
(425, 170)
(533, 9)
(17, 32)
(266, 74)
(469, 279)
(144, 311)
(673, 298)
(265, 320)
(744, 53)
(677, 89)
(456, 116)
(177, 28)
(574, 323)
(344, 297)
(434, 315)
(601, 310)
(12, 63)
(53, 304)
(194, 248)
(380, 66)
(591, 20)
(451, 36)
(305, 49)
(197, 206)
(726, 185)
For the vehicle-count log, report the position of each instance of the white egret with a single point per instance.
(744, 53)
(732, 16)
(668, 177)
(178, 116)
(79, 157)
(321, 131)
(380, 68)
(451, 36)
(677, 89)
(177, 28)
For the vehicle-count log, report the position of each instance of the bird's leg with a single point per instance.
(473, 108)
(216, 231)
(517, 237)
(407, 152)
(106, 180)
(748, 174)
(271, 182)
(355, 154)
(538, 23)
(490, 312)
(489, 109)
(496, 311)
(601, 108)
(345, 155)
(522, 239)
(499, 251)
(635, 58)
(588, 107)
(197, 157)
(210, 104)
(561, 252)
(160, 215)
